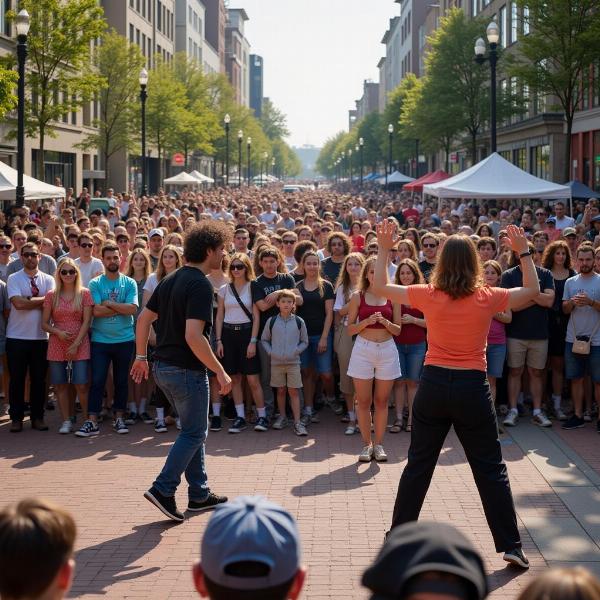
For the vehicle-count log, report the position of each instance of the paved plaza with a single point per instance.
(125, 549)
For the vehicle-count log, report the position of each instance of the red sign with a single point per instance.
(178, 159)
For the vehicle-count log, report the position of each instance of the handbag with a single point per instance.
(583, 346)
(242, 305)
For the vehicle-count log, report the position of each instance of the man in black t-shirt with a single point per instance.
(182, 307)
(264, 294)
(430, 245)
(338, 247)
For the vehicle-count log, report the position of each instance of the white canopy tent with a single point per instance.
(395, 178)
(201, 177)
(34, 189)
(182, 178)
(495, 177)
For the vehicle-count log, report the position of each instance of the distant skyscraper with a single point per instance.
(256, 84)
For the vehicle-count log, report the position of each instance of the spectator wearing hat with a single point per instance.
(551, 230)
(250, 550)
(595, 229)
(155, 243)
(570, 236)
(426, 560)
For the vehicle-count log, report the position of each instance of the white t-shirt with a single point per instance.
(89, 270)
(565, 222)
(151, 283)
(392, 268)
(340, 302)
(234, 314)
(269, 217)
(290, 263)
(27, 324)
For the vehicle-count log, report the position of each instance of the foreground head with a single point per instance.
(206, 242)
(563, 584)
(250, 551)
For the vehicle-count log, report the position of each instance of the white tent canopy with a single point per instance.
(495, 177)
(34, 189)
(396, 177)
(201, 177)
(182, 178)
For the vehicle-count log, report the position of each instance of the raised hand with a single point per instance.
(386, 236)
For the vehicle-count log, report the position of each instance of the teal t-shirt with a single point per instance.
(118, 328)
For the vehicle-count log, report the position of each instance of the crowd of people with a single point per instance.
(297, 325)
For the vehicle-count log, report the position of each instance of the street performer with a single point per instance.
(181, 305)
(454, 390)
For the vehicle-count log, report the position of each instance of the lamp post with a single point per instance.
(493, 36)
(350, 164)
(361, 145)
(390, 136)
(22, 25)
(227, 121)
(143, 79)
(343, 164)
(240, 138)
(417, 159)
(249, 148)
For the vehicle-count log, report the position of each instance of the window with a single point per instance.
(65, 116)
(525, 20)
(475, 8)
(137, 36)
(131, 33)
(74, 112)
(514, 22)
(190, 15)
(520, 158)
(143, 44)
(131, 3)
(526, 101)
(540, 161)
(503, 27)
(190, 47)
(585, 90)
(143, 9)
(159, 15)
(137, 5)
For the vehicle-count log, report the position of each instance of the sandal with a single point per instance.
(397, 426)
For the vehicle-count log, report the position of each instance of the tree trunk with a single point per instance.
(40, 162)
(474, 146)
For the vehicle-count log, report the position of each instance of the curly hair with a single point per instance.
(550, 251)
(205, 236)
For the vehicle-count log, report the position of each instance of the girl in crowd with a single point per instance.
(413, 235)
(66, 316)
(236, 329)
(174, 239)
(374, 359)
(299, 250)
(484, 230)
(169, 261)
(139, 269)
(496, 340)
(557, 258)
(357, 238)
(346, 285)
(317, 312)
(407, 249)
(411, 344)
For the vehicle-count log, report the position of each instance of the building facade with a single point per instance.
(214, 30)
(237, 55)
(189, 28)
(369, 101)
(256, 84)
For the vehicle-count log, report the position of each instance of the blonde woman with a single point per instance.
(346, 285)
(169, 261)
(66, 316)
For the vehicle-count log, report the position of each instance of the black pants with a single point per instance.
(460, 398)
(24, 355)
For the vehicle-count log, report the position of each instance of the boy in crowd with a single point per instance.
(284, 338)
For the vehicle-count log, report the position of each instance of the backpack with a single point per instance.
(272, 322)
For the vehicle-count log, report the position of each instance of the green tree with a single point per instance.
(273, 121)
(119, 63)
(60, 80)
(326, 159)
(8, 82)
(402, 146)
(558, 52)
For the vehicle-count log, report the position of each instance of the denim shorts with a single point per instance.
(59, 375)
(312, 358)
(411, 358)
(495, 356)
(579, 365)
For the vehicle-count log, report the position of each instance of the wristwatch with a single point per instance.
(524, 254)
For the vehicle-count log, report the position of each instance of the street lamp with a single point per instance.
(22, 26)
(350, 161)
(227, 120)
(143, 79)
(361, 145)
(390, 136)
(493, 36)
(249, 147)
(240, 138)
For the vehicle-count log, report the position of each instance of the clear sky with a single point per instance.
(316, 55)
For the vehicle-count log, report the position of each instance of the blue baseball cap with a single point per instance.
(250, 528)
(551, 220)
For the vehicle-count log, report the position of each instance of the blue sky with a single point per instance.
(316, 55)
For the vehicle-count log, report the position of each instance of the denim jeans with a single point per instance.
(102, 356)
(449, 397)
(188, 393)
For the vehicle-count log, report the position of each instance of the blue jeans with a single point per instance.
(412, 357)
(311, 357)
(102, 356)
(187, 391)
(578, 366)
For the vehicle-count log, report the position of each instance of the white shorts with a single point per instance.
(374, 360)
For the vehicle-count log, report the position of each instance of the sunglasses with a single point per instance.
(68, 271)
(540, 214)
(289, 242)
(238, 267)
(429, 245)
(6, 246)
(30, 254)
(86, 245)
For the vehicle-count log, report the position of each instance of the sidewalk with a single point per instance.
(126, 549)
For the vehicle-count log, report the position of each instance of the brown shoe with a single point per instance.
(16, 427)
(39, 425)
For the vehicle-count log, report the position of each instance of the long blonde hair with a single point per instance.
(58, 284)
(160, 268)
(147, 269)
(364, 284)
(343, 279)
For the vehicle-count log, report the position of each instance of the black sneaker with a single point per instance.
(209, 503)
(261, 424)
(119, 426)
(88, 429)
(146, 418)
(165, 504)
(216, 424)
(573, 422)
(160, 426)
(238, 425)
(131, 418)
(517, 558)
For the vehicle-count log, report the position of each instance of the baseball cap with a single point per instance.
(567, 231)
(595, 219)
(551, 220)
(420, 547)
(250, 528)
(156, 231)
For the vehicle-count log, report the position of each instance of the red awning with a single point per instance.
(417, 184)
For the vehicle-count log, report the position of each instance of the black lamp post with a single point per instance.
(493, 36)
(390, 136)
(143, 79)
(240, 138)
(249, 147)
(350, 164)
(361, 144)
(22, 26)
(227, 121)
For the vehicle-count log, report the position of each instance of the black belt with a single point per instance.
(237, 327)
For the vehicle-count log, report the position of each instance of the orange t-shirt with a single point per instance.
(457, 330)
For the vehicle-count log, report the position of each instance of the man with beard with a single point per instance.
(115, 304)
(581, 300)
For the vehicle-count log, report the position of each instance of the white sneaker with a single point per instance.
(178, 423)
(541, 420)
(587, 417)
(366, 455)
(280, 422)
(379, 453)
(511, 418)
(560, 415)
(351, 429)
(66, 427)
(300, 429)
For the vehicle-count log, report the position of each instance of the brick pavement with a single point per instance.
(126, 549)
